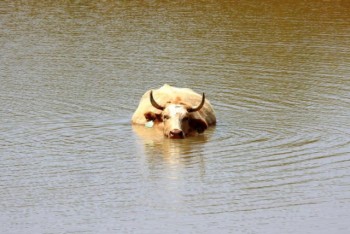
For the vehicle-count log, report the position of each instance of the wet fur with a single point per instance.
(198, 121)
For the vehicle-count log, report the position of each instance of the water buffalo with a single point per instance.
(180, 112)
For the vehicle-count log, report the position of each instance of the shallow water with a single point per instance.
(277, 74)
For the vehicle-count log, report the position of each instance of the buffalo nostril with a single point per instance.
(176, 133)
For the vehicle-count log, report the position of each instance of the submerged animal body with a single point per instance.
(180, 112)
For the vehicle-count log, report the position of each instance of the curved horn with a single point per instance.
(198, 107)
(154, 103)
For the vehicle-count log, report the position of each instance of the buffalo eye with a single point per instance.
(166, 117)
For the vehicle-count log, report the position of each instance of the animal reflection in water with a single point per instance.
(157, 148)
(178, 112)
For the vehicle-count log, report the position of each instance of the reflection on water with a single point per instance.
(155, 145)
(277, 74)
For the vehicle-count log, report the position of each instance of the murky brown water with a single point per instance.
(277, 74)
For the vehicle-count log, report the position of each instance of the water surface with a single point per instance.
(73, 72)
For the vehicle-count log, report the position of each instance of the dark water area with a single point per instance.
(277, 74)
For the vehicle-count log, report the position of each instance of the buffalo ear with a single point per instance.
(151, 116)
(198, 124)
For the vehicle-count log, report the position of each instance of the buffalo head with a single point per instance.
(179, 119)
